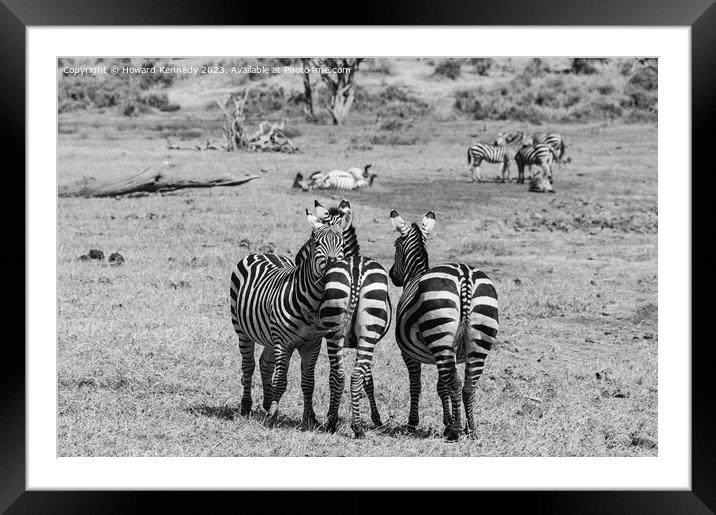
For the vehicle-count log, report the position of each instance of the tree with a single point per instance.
(308, 90)
(338, 74)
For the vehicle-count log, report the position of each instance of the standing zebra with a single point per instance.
(356, 313)
(504, 153)
(446, 315)
(275, 302)
(554, 140)
(542, 155)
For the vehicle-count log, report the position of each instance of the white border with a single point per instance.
(671, 469)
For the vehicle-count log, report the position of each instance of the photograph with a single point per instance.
(357, 256)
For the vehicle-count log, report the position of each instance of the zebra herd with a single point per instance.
(541, 150)
(447, 314)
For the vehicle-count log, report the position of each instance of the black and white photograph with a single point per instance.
(357, 256)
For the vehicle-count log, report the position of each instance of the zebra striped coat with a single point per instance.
(352, 179)
(356, 313)
(447, 314)
(275, 302)
(542, 155)
(554, 140)
(503, 151)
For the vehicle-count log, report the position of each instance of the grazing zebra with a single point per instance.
(356, 313)
(352, 179)
(446, 315)
(554, 140)
(504, 153)
(540, 154)
(275, 302)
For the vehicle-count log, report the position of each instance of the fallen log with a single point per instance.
(146, 181)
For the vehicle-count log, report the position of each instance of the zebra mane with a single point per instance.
(350, 246)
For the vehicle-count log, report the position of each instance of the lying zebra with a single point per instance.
(352, 179)
(446, 315)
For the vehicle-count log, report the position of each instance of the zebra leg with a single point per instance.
(520, 172)
(370, 393)
(248, 364)
(309, 355)
(364, 357)
(446, 380)
(548, 179)
(474, 364)
(505, 171)
(337, 381)
(282, 357)
(415, 386)
(266, 366)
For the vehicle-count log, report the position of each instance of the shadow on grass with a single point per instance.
(234, 413)
(403, 431)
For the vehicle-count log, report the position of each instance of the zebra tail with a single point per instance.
(463, 325)
(469, 157)
(562, 148)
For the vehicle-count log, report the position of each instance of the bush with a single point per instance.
(482, 65)
(449, 68)
(646, 77)
(582, 66)
(393, 102)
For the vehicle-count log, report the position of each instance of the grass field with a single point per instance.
(148, 363)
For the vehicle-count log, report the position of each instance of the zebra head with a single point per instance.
(411, 254)
(326, 242)
(343, 214)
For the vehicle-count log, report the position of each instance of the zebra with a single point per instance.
(540, 154)
(356, 313)
(554, 140)
(352, 179)
(275, 302)
(504, 153)
(446, 315)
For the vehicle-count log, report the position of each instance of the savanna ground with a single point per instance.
(148, 363)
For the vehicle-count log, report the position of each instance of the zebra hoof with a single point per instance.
(377, 422)
(359, 431)
(271, 417)
(245, 409)
(309, 423)
(331, 426)
(452, 435)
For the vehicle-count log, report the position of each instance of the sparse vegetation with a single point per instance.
(448, 68)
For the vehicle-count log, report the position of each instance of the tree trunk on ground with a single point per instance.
(146, 181)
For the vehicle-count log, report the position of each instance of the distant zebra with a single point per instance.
(542, 155)
(353, 178)
(275, 302)
(446, 315)
(356, 313)
(554, 140)
(498, 153)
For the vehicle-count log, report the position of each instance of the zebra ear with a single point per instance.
(321, 212)
(398, 222)
(315, 222)
(344, 205)
(428, 222)
(346, 220)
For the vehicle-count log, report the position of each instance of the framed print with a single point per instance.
(486, 220)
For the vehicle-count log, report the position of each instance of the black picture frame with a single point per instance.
(699, 15)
